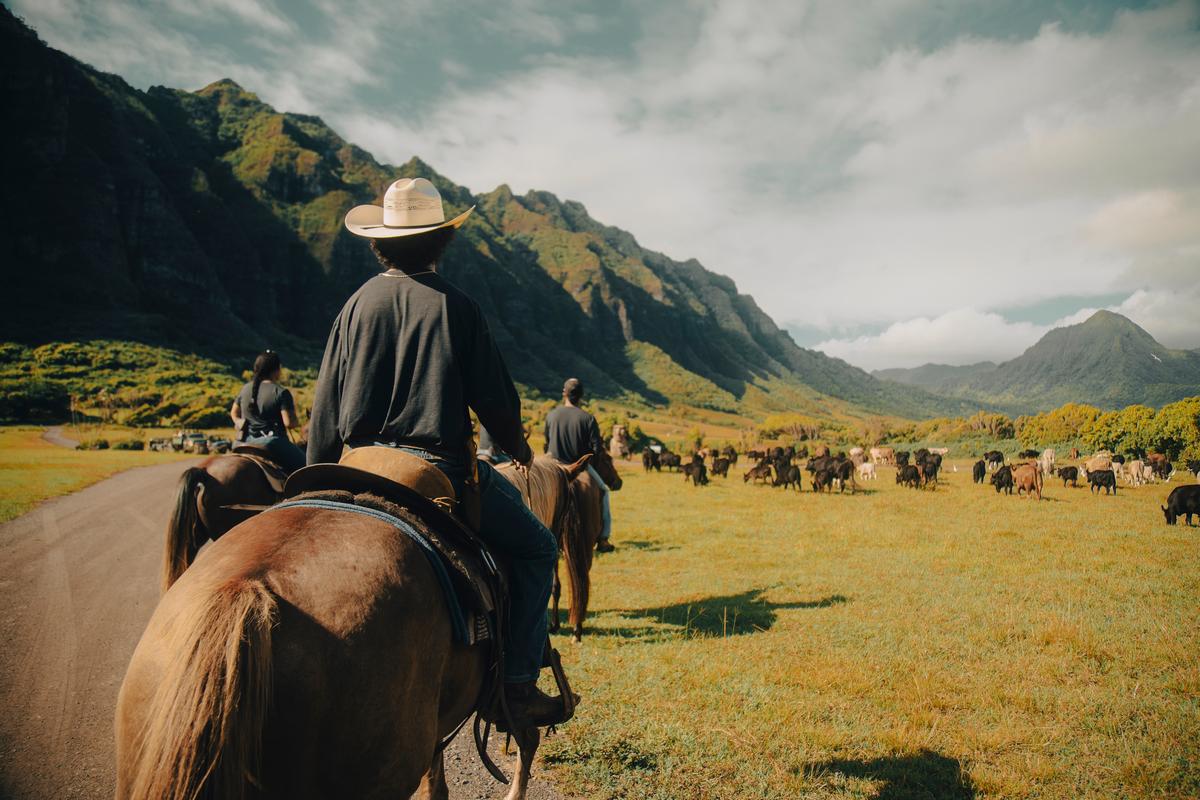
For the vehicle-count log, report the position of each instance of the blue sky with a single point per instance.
(897, 182)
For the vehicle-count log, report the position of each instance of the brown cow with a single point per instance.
(1027, 478)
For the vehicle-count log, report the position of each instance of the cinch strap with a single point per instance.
(457, 619)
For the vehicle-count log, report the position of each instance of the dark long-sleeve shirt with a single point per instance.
(572, 433)
(405, 359)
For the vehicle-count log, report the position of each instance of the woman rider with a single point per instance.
(264, 410)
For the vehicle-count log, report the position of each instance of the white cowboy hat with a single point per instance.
(410, 206)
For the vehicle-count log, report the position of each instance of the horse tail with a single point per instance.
(204, 724)
(577, 553)
(184, 527)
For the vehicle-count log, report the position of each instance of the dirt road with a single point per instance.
(78, 581)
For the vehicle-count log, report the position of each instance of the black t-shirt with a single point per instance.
(273, 399)
(572, 433)
(406, 358)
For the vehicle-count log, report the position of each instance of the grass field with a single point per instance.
(33, 470)
(896, 644)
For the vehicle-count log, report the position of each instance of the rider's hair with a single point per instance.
(266, 365)
(412, 253)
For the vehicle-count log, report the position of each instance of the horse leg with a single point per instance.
(433, 785)
(527, 745)
(554, 618)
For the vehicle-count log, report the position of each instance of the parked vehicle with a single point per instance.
(160, 445)
(216, 444)
(193, 442)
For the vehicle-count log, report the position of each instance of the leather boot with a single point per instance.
(530, 707)
(604, 546)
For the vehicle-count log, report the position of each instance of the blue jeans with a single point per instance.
(508, 526)
(286, 454)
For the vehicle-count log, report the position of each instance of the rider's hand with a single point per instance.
(524, 458)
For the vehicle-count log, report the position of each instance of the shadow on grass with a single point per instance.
(726, 615)
(909, 776)
(649, 547)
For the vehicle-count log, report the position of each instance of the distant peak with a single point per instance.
(228, 88)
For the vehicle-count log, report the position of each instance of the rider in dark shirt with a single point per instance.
(572, 433)
(408, 355)
(263, 412)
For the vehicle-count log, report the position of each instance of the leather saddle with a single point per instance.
(421, 489)
(480, 587)
(276, 475)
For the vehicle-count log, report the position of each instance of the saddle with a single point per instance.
(418, 487)
(475, 584)
(276, 475)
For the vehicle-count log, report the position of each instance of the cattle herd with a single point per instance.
(785, 468)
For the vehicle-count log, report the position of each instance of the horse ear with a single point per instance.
(579, 466)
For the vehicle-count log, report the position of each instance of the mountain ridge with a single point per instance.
(1107, 360)
(211, 222)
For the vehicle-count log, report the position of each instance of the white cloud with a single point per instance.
(842, 174)
(967, 335)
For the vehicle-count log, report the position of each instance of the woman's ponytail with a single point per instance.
(265, 365)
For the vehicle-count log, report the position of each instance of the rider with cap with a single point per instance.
(572, 433)
(407, 356)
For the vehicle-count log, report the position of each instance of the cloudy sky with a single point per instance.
(896, 182)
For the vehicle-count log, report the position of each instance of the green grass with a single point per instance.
(897, 644)
(33, 470)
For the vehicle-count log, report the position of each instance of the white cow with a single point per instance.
(866, 471)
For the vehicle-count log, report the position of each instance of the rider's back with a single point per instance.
(405, 358)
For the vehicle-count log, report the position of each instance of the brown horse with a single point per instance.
(201, 507)
(306, 654)
(576, 543)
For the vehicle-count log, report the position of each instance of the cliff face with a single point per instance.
(208, 221)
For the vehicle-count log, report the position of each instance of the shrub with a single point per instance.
(130, 444)
(28, 400)
(93, 444)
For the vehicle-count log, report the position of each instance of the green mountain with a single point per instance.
(209, 223)
(1107, 361)
(934, 377)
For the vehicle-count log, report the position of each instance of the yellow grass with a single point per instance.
(897, 644)
(32, 469)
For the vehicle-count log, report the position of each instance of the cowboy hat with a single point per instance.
(411, 206)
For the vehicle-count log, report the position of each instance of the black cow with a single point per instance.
(1182, 502)
(789, 476)
(1193, 466)
(721, 466)
(920, 455)
(1162, 469)
(1118, 459)
(802, 452)
(669, 459)
(695, 471)
(755, 455)
(1002, 480)
(730, 455)
(1028, 454)
(929, 470)
(994, 459)
(979, 471)
(843, 470)
(902, 458)
(1068, 475)
(909, 475)
(650, 460)
(1102, 479)
(822, 479)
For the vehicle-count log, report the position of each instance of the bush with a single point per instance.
(31, 400)
(92, 444)
(130, 444)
